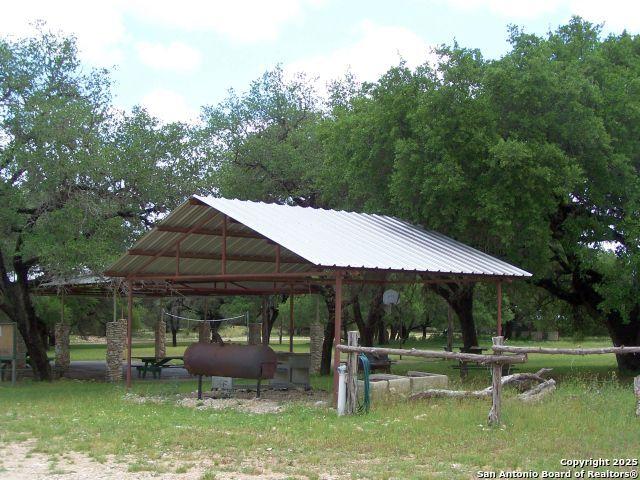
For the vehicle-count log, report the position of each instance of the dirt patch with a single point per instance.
(20, 462)
(270, 401)
(243, 405)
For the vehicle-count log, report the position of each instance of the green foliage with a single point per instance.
(78, 179)
(263, 143)
(532, 157)
(305, 309)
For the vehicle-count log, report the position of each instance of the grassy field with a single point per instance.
(590, 415)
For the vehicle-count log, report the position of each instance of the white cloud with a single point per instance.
(101, 31)
(516, 9)
(375, 50)
(174, 56)
(98, 26)
(169, 106)
(616, 14)
(239, 20)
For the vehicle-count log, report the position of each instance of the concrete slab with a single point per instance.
(378, 389)
(421, 381)
(398, 384)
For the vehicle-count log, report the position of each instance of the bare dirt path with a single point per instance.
(19, 462)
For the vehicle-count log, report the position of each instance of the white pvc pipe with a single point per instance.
(342, 389)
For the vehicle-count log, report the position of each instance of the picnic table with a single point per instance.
(155, 365)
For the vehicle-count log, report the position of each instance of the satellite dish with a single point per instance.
(390, 297)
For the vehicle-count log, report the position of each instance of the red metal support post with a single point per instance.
(499, 289)
(336, 333)
(224, 247)
(129, 322)
(265, 322)
(291, 321)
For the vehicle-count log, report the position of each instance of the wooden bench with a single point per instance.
(379, 361)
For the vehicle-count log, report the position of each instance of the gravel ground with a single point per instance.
(271, 401)
(19, 462)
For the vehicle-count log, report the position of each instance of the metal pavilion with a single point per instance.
(217, 246)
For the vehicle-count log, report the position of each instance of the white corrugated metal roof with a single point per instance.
(331, 238)
(309, 237)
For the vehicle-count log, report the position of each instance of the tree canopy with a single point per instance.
(78, 180)
(532, 157)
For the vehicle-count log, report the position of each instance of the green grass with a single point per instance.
(590, 415)
(570, 366)
(144, 347)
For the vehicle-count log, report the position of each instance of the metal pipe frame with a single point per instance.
(499, 299)
(129, 322)
(291, 321)
(212, 256)
(336, 333)
(322, 277)
(286, 277)
(200, 223)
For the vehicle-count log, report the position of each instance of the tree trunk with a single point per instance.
(463, 306)
(32, 329)
(272, 317)
(215, 335)
(327, 344)
(460, 299)
(625, 334)
(174, 323)
(583, 294)
(394, 332)
(383, 334)
(578, 285)
(365, 328)
(406, 331)
(508, 330)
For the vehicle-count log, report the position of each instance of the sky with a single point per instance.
(173, 57)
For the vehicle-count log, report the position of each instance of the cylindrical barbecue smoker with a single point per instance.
(256, 362)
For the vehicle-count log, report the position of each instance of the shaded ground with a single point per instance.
(97, 370)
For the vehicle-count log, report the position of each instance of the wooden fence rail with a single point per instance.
(412, 352)
(565, 351)
(495, 360)
(518, 355)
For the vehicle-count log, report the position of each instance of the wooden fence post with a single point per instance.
(496, 384)
(636, 387)
(352, 374)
